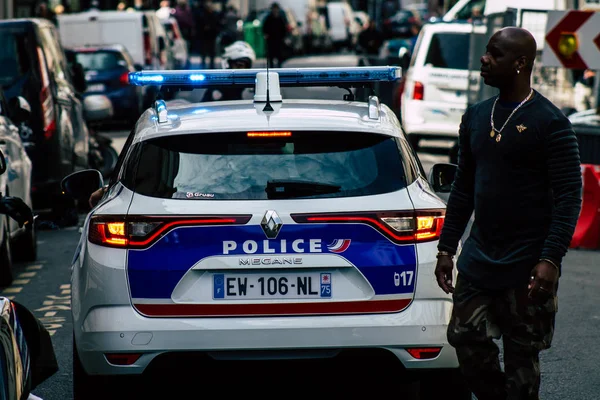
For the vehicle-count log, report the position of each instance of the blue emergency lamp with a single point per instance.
(247, 77)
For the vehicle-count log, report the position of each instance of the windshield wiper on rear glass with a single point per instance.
(289, 188)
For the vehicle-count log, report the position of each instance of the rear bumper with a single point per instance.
(120, 329)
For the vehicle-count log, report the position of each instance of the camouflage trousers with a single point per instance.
(526, 327)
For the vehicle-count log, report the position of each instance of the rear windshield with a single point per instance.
(100, 60)
(15, 60)
(449, 50)
(233, 166)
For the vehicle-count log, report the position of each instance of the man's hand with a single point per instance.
(96, 196)
(443, 273)
(542, 285)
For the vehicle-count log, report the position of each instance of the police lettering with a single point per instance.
(272, 246)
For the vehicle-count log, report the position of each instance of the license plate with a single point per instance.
(272, 286)
(97, 87)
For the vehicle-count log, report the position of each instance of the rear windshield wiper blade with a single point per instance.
(287, 188)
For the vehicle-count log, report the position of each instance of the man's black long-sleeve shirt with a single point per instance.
(525, 190)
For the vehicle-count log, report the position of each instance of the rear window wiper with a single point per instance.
(288, 188)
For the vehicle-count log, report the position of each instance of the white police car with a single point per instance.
(271, 224)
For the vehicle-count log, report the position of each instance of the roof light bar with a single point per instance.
(247, 77)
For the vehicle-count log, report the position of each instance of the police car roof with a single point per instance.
(245, 115)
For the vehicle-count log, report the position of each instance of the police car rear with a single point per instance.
(304, 227)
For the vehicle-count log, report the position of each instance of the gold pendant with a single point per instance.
(492, 133)
(498, 138)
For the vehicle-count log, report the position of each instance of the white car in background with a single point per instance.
(437, 81)
(16, 243)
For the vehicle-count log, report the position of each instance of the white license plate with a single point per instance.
(96, 87)
(305, 285)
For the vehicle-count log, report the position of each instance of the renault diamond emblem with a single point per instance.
(271, 224)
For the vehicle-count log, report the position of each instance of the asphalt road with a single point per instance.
(569, 368)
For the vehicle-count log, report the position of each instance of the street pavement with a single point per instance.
(569, 368)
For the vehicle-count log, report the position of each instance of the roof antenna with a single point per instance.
(268, 106)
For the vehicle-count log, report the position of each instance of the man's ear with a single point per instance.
(522, 63)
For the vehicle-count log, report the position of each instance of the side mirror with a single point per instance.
(19, 109)
(81, 184)
(2, 163)
(441, 177)
(97, 107)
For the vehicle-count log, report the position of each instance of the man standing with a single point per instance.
(275, 31)
(519, 171)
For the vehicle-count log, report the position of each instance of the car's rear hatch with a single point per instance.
(305, 223)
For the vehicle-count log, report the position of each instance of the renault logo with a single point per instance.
(271, 224)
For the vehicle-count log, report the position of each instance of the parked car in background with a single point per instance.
(177, 43)
(436, 85)
(17, 242)
(34, 66)
(106, 71)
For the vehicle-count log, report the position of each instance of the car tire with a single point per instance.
(447, 384)
(24, 248)
(6, 267)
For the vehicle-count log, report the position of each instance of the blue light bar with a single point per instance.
(247, 77)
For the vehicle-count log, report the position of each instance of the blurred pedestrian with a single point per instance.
(185, 19)
(584, 96)
(371, 39)
(519, 173)
(208, 28)
(122, 6)
(275, 30)
(415, 29)
(165, 11)
(43, 11)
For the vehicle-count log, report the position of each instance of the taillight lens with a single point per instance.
(140, 232)
(124, 79)
(419, 91)
(398, 226)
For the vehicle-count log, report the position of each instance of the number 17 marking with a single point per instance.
(407, 278)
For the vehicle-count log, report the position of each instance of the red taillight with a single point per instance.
(140, 232)
(419, 91)
(398, 226)
(124, 79)
(122, 358)
(424, 353)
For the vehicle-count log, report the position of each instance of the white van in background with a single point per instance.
(342, 26)
(436, 86)
(141, 32)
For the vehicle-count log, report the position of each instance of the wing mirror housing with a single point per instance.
(81, 184)
(97, 107)
(441, 177)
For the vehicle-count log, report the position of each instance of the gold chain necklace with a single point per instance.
(494, 130)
